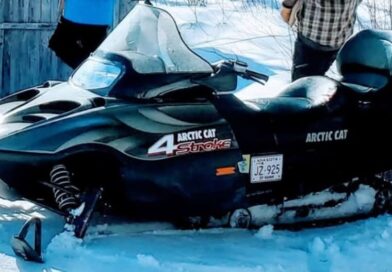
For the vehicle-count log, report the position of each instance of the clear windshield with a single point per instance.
(149, 38)
(96, 74)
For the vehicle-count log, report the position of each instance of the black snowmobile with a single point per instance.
(148, 129)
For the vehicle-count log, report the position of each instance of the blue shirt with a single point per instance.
(93, 12)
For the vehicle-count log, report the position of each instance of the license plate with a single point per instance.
(266, 168)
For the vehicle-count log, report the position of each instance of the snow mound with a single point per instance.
(65, 244)
(265, 232)
(147, 260)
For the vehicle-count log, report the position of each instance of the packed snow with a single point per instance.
(221, 29)
(359, 202)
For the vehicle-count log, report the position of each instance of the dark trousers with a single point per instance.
(309, 60)
(73, 42)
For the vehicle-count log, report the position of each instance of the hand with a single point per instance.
(285, 13)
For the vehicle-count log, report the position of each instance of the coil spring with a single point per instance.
(61, 177)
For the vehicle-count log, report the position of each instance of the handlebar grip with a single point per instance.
(257, 75)
(240, 68)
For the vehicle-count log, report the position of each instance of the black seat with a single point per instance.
(365, 61)
(306, 95)
(365, 64)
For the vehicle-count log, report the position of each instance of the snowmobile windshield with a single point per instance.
(149, 38)
(96, 74)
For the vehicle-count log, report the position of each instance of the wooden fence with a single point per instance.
(25, 29)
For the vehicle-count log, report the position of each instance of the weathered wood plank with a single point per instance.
(12, 11)
(6, 66)
(27, 26)
(3, 9)
(1, 58)
(17, 59)
(46, 11)
(34, 11)
(55, 10)
(23, 11)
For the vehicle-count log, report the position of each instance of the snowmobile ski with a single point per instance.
(22, 248)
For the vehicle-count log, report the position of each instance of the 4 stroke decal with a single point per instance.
(182, 143)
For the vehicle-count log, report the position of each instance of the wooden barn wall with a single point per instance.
(25, 29)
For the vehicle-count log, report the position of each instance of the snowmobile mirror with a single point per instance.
(22, 248)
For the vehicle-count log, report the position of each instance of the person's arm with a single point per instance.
(287, 6)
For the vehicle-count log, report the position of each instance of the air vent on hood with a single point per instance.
(18, 99)
(27, 95)
(58, 107)
(42, 112)
(21, 96)
(33, 118)
(50, 83)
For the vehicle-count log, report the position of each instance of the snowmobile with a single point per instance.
(147, 128)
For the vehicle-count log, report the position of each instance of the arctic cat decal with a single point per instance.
(327, 136)
(189, 142)
(196, 135)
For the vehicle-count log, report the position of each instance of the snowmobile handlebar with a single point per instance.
(241, 69)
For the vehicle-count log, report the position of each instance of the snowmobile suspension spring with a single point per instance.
(61, 177)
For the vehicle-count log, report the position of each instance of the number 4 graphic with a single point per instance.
(165, 145)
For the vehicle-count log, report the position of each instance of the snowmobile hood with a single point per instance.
(34, 106)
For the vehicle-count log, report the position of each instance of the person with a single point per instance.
(82, 27)
(322, 28)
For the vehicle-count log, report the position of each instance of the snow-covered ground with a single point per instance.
(361, 246)
(222, 29)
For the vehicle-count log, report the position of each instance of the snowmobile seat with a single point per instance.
(365, 61)
(306, 95)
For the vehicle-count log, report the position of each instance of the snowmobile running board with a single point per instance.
(22, 248)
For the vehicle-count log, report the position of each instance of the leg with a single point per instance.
(73, 43)
(64, 43)
(308, 61)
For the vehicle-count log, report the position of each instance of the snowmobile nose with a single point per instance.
(22, 248)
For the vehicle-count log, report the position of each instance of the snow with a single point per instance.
(231, 29)
(359, 202)
(265, 232)
(148, 261)
(361, 246)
